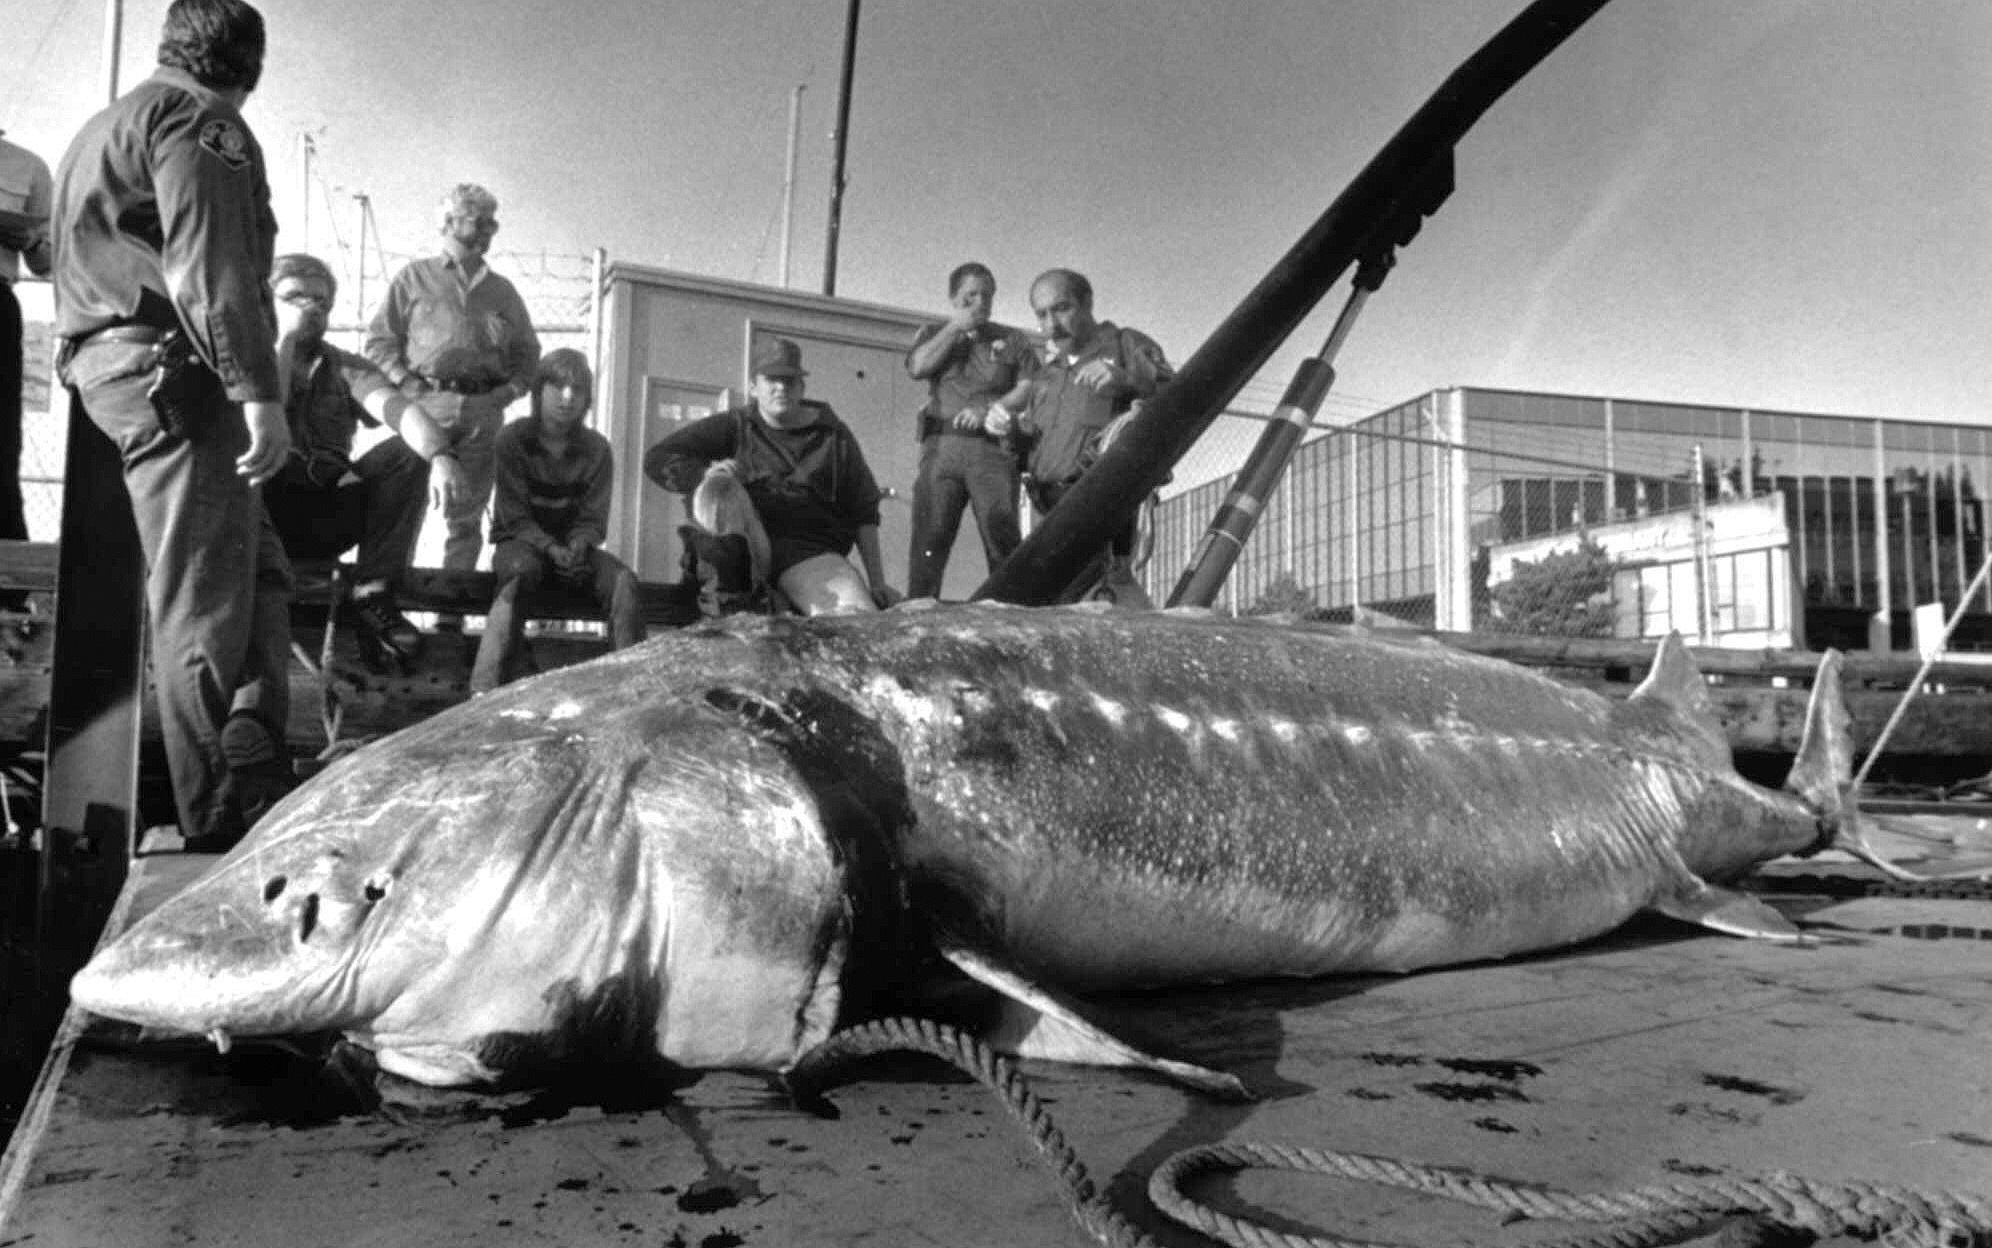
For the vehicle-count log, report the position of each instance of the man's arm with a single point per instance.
(591, 521)
(882, 591)
(679, 459)
(379, 398)
(386, 343)
(931, 349)
(511, 487)
(35, 247)
(210, 193)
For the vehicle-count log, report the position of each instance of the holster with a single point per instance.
(185, 393)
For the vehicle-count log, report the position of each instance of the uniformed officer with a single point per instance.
(163, 242)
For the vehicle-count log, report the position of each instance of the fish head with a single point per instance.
(598, 872)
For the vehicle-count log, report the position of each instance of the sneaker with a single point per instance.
(383, 630)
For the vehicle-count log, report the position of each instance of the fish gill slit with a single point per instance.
(307, 919)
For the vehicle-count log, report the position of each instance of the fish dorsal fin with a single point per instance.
(1724, 910)
(1038, 1022)
(1674, 682)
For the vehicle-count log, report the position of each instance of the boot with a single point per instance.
(386, 638)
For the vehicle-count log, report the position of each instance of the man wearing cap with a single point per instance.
(163, 242)
(457, 337)
(25, 192)
(801, 468)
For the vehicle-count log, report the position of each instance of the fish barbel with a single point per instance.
(711, 850)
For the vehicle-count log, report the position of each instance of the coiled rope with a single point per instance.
(1900, 1216)
(825, 1066)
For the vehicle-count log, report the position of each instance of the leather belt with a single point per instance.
(122, 333)
(464, 386)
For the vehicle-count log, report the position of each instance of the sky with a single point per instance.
(1779, 204)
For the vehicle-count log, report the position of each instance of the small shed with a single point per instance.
(676, 346)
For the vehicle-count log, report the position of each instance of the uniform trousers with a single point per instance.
(959, 471)
(217, 587)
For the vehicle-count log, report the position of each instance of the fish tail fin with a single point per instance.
(1822, 775)
(1824, 769)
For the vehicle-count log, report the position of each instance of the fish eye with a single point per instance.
(376, 888)
(273, 888)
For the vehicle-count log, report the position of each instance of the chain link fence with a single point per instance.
(1532, 529)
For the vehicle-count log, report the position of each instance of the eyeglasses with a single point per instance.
(304, 298)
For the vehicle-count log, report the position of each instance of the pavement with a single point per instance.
(1659, 1054)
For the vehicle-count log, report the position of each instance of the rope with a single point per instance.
(822, 1068)
(1773, 1207)
(1651, 1215)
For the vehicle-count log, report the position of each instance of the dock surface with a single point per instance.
(1660, 1054)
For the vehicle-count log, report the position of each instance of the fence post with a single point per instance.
(1704, 598)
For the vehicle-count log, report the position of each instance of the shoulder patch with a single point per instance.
(226, 141)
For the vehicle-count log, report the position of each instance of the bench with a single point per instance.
(332, 691)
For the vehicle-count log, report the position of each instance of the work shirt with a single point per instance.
(546, 498)
(983, 365)
(811, 486)
(25, 194)
(1066, 416)
(440, 324)
(162, 217)
(324, 406)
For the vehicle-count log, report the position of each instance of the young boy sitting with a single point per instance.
(549, 512)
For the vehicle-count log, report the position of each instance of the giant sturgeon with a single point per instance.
(710, 850)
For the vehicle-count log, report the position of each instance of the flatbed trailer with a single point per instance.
(1657, 1055)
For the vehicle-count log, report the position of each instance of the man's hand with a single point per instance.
(1117, 426)
(968, 420)
(968, 316)
(562, 555)
(269, 442)
(721, 468)
(1102, 374)
(997, 421)
(884, 596)
(448, 483)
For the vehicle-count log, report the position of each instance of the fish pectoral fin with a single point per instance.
(1036, 1022)
(1725, 910)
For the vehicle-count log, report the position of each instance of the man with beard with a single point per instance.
(324, 501)
(457, 337)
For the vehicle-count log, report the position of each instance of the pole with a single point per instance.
(304, 145)
(1704, 593)
(788, 178)
(839, 140)
(360, 274)
(1239, 515)
(1384, 202)
(113, 41)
